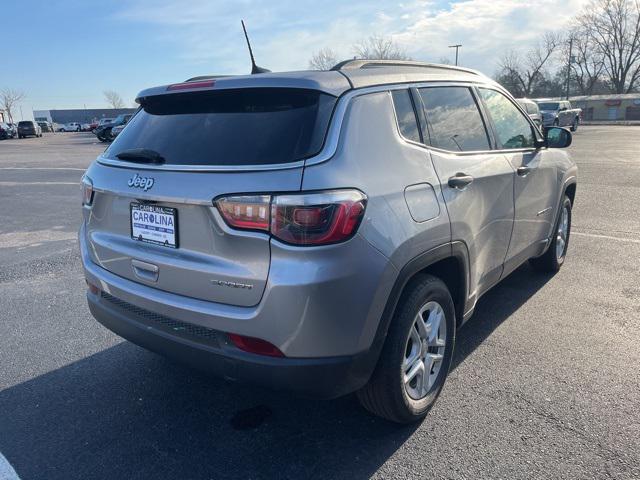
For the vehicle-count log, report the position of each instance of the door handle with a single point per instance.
(460, 181)
(523, 171)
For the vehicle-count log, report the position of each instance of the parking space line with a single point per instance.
(44, 168)
(22, 184)
(607, 237)
(6, 470)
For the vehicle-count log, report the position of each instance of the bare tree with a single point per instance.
(444, 61)
(377, 47)
(586, 63)
(9, 98)
(527, 71)
(614, 28)
(323, 59)
(113, 98)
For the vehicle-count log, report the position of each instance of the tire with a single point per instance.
(553, 259)
(386, 395)
(574, 125)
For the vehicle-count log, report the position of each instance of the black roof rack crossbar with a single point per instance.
(355, 64)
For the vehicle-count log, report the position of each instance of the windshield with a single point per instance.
(250, 126)
(548, 106)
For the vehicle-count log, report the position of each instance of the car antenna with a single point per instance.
(254, 68)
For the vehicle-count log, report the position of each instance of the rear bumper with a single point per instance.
(211, 351)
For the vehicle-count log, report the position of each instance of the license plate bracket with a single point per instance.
(154, 224)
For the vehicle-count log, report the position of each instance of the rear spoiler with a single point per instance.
(332, 83)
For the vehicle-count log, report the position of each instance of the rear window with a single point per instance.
(25, 124)
(251, 126)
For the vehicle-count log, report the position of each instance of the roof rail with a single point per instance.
(355, 64)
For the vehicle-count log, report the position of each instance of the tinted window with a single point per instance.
(548, 106)
(512, 127)
(406, 115)
(250, 126)
(454, 120)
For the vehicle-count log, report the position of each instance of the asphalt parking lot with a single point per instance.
(545, 380)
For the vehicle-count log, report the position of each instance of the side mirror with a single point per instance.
(557, 137)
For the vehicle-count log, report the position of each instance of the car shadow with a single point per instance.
(127, 413)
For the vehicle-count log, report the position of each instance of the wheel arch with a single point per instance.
(570, 190)
(449, 262)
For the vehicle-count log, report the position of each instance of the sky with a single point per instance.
(65, 53)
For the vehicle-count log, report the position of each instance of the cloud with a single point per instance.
(286, 33)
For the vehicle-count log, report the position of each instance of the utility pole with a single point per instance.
(456, 47)
(569, 64)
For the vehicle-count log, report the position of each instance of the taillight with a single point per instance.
(317, 218)
(299, 219)
(245, 212)
(87, 190)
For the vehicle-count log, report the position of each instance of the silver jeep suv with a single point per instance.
(322, 232)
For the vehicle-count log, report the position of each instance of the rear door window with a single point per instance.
(406, 115)
(455, 123)
(250, 126)
(512, 127)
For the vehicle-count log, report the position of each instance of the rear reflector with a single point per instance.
(190, 85)
(92, 288)
(300, 219)
(255, 345)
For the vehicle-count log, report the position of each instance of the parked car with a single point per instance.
(532, 110)
(115, 131)
(46, 127)
(29, 128)
(12, 130)
(86, 127)
(104, 132)
(269, 242)
(71, 127)
(5, 131)
(559, 114)
(104, 121)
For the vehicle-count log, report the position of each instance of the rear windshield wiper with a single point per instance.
(141, 155)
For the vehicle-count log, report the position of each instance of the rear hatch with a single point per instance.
(152, 218)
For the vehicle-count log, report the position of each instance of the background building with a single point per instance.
(612, 107)
(80, 115)
(609, 107)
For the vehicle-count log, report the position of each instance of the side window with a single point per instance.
(454, 120)
(406, 115)
(512, 127)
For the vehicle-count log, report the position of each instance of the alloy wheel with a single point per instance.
(562, 234)
(424, 351)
